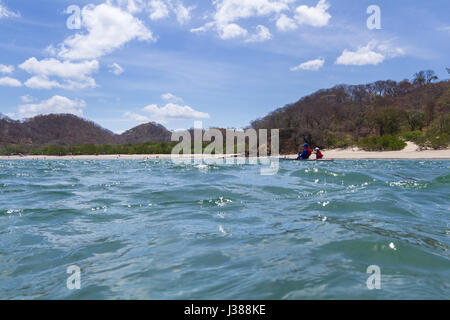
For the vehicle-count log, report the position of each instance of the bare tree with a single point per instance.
(419, 78)
(431, 76)
(425, 77)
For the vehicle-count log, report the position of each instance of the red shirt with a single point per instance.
(319, 155)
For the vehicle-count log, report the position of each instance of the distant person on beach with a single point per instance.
(319, 154)
(306, 152)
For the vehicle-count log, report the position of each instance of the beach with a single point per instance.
(411, 152)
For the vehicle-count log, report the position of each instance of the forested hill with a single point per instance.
(67, 129)
(346, 114)
(153, 132)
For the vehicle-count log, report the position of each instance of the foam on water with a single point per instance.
(159, 230)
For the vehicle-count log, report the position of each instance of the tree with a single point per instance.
(419, 78)
(431, 76)
(425, 77)
(386, 120)
(416, 120)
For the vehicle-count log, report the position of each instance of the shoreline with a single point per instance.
(329, 155)
(411, 152)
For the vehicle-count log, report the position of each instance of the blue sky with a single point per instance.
(225, 62)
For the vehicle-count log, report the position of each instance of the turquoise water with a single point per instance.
(156, 230)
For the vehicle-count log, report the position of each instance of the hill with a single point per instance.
(360, 114)
(67, 129)
(146, 132)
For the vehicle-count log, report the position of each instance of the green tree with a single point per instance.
(438, 135)
(416, 120)
(386, 120)
(383, 143)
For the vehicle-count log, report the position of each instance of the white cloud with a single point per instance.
(43, 82)
(54, 67)
(371, 54)
(231, 31)
(172, 111)
(228, 12)
(56, 104)
(108, 28)
(389, 50)
(6, 13)
(134, 6)
(161, 9)
(204, 28)
(10, 82)
(262, 34)
(51, 50)
(284, 23)
(312, 65)
(182, 12)
(158, 10)
(313, 16)
(172, 98)
(362, 56)
(116, 69)
(6, 69)
(75, 75)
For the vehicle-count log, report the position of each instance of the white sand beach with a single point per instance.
(411, 151)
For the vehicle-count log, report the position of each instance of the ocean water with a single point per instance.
(157, 230)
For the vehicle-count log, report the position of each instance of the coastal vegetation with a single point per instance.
(375, 116)
(382, 143)
(378, 116)
(90, 149)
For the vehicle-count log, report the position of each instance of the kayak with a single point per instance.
(326, 160)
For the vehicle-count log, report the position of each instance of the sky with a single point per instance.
(122, 63)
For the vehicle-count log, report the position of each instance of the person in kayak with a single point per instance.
(319, 154)
(306, 153)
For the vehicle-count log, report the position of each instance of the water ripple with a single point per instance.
(152, 229)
